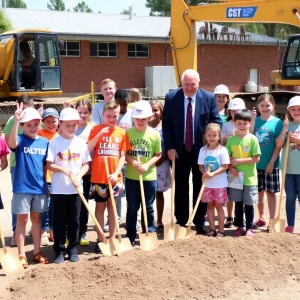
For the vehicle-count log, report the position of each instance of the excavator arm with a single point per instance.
(183, 38)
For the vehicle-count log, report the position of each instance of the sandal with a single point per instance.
(160, 228)
(222, 234)
(23, 261)
(212, 233)
(40, 258)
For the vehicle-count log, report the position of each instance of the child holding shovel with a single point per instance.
(107, 140)
(142, 141)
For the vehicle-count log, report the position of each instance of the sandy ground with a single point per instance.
(265, 267)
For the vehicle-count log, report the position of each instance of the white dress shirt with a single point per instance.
(186, 102)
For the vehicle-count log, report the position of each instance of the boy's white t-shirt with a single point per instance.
(228, 128)
(216, 158)
(67, 154)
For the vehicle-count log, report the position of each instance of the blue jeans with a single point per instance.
(47, 216)
(133, 197)
(14, 216)
(292, 190)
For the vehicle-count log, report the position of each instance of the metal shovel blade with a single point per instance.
(170, 232)
(190, 233)
(148, 241)
(181, 233)
(277, 225)
(121, 245)
(107, 248)
(10, 262)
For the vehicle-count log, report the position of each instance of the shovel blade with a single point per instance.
(277, 225)
(190, 233)
(107, 248)
(170, 232)
(181, 233)
(121, 245)
(148, 241)
(10, 263)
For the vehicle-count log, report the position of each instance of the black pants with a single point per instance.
(66, 211)
(183, 166)
(84, 214)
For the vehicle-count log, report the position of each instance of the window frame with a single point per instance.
(66, 49)
(136, 51)
(107, 43)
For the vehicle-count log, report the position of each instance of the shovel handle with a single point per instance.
(2, 237)
(198, 200)
(173, 192)
(88, 208)
(143, 198)
(283, 174)
(112, 199)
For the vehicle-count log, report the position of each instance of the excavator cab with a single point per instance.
(291, 61)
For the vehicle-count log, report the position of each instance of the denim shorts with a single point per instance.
(23, 204)
(248, 195)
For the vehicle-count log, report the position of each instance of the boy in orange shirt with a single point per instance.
(108, 140)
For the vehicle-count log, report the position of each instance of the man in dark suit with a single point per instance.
(187, 111)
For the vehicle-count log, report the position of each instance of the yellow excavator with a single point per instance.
(183, 38)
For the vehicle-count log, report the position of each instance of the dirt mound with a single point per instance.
(191, 269)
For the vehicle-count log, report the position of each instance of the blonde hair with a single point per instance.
(214, 127)
(111, 105)
(106, 81)
(268, 97)
(134, 95)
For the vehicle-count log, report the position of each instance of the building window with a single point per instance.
(71, 49)
(138, 50)
(103, 49)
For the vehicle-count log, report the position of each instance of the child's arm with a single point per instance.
(270, 166)
(161, 160)
(84, 169)
(144, 167)
(233, 171)
(247, 161)
(13, 137)
(92, 144)
(114, 176)
(132, 161)
(208, 175)
(4, 163)
(281, 138)
(202, 169)
(55, 168)
(253, 118)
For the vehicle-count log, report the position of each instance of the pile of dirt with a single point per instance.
(200, 268)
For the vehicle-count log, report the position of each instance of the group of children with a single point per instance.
(68, 152)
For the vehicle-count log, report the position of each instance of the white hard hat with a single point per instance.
(294, 101)
(236, 103)
(221, 89)
(141, 110)
(69, 114)
(29, 114)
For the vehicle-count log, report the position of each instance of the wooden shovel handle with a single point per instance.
(2, 237)
(283, 174)
(143, 198)
(198, 200)
(173, 192)
(88, 209)
(112, 199)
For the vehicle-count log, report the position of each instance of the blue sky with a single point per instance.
(105, 6)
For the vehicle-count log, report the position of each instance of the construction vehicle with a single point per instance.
(183, 38)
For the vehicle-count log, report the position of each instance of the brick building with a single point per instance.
(117, 46)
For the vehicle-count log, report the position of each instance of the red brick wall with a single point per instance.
(227, 64)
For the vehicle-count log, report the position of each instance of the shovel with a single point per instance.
(187, 233)
(148, 240)
(171, 229)
(10, 263)
(107, 247)
(120, 244)
(278, 225)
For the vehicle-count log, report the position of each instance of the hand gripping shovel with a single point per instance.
(278, 225)
(107, 247)
(148, 240)
(10, 263)
(171, 229)
(187, 233)
(120, 244)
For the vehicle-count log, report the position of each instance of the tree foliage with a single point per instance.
(56, 5)
(5, 24)
(124, 12)
(82, 7)
(16, 4)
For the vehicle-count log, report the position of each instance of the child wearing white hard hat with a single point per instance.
(68, 158)
(291, 125)
(142, 141)
(222, 97)
(30, 189)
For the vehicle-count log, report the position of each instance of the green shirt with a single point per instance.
(7, 129)
(245, 147)
(143, 144)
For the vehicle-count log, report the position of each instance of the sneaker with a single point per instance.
(97, 248)
(83, 240)
(289, 229)
(238, 232)
(13, 241)
(228, 223)
(250, 233)
(74, 257)
(138, 226)
(44, 239)
(60, 258)
(259, 223)
(106, 227)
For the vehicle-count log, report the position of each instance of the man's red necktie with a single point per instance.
(188, 142)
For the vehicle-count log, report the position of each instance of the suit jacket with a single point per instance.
(206, 111)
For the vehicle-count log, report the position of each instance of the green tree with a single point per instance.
(82, 7)
(124, 12)
(16, 3)
(56, 5)
(5, 24)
